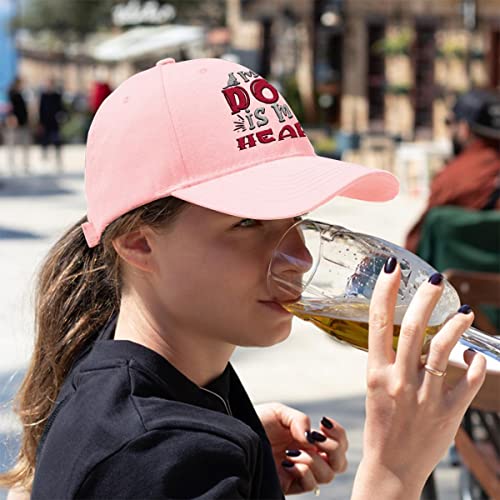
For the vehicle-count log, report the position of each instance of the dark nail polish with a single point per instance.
(471, 350)
(317, 436)
(327, 423)
(287, 464)
(465, 309)
(292, 453)
(309, 437)
(390, 265)
(436, 279)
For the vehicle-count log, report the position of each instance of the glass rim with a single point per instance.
(313, 270)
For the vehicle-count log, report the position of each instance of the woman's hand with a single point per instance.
(412, 416)
(304, 458)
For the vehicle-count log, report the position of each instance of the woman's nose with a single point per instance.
(289, 264)
(293, 254)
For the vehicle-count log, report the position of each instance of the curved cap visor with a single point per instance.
(289, 187)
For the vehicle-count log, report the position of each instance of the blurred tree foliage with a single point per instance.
(67, 18)
(290, 91)
(76, 18)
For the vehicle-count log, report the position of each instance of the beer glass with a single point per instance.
(326, 274)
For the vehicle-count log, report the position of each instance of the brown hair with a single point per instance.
(78, 291)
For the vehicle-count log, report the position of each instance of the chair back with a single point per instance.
(477, 289)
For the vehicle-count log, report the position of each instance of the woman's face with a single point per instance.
(210, 277)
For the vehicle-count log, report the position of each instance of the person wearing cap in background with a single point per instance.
(472, 178)
(140, 305)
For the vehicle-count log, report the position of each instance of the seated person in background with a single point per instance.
(472, 178)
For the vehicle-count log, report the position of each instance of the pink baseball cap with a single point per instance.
(215, 134)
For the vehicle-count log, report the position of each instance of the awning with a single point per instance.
(145, 41)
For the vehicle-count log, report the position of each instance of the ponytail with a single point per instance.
(78, 290)
(73, 301)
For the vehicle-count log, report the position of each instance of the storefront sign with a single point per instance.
(135, 12)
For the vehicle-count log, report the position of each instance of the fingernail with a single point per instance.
(309, 437)
(390, 265)
(436, 279)
(327, 423)
(465, 309)
(287, 464)
(292, 453)
(471, 350)
(317, 436)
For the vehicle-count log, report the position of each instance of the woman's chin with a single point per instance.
(277, 335)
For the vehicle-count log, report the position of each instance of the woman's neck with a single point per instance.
(199, 359)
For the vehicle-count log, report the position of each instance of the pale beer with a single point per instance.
(348, 321)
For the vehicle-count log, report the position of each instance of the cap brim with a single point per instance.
(289, 187)
(488, 132)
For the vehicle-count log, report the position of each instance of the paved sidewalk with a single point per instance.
(308, 371)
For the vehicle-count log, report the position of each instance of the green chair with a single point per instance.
(455, 238)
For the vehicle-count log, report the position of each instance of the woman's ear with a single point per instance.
(134, 248)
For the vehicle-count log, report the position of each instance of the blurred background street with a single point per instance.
(372, 81)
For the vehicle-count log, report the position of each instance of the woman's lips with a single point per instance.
(276, 307)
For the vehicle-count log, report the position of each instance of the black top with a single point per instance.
(51, 107)
(127, 424)
(18, 107)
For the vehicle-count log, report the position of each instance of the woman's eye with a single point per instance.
(248, 223)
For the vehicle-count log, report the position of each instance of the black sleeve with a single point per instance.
(172, 464)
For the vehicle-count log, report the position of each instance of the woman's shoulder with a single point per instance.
(118, 417)
(170, 416)
(179, 456)
(173, 463)
(137, 391)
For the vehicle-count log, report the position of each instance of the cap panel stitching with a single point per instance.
(167, 105)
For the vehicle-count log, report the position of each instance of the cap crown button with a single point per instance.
(168, 60)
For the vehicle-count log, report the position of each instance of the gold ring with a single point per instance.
(317, 491)
(434, 371)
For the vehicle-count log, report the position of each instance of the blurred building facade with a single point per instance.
(373, 65)
(356, 65)
(115, 53)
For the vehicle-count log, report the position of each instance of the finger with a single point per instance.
(334, 455)
(468, 355)
(413, 326)
(331, 428)
(382, 304)
(469, 385)
(334, 449)
(441, 347)
(322, 471)
(304, 478)
(331, 451)
(299, 425)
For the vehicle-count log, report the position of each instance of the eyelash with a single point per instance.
(241, 225)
